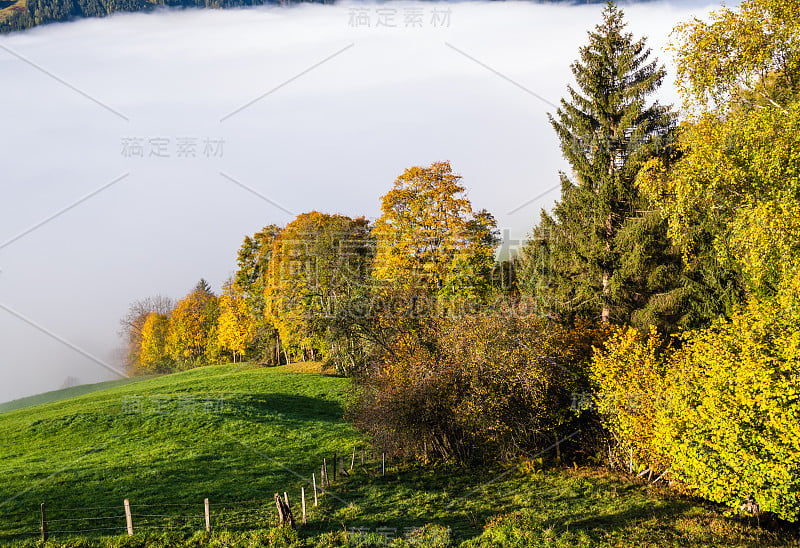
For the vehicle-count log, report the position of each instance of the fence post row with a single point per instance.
(338, 462)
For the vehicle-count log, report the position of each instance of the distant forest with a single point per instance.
(39, 12)
(23, 15)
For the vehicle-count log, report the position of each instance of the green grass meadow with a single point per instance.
(237, 434)
(229, 433)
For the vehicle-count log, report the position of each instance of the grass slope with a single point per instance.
(63, 394)
(229, 433)
(238, 434)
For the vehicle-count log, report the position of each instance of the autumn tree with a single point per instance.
(606, 254)
(133, 322)
(153, 355)
(317, 261)
(190, 324)
(251, 277)
(738, 176)
(744, 57)
(429, 239)
(235, 325)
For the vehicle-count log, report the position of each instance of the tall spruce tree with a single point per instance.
(603, 252)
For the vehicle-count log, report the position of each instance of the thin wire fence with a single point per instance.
(237, 515)
(144, 517)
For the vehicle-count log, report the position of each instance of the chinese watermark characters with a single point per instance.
(168, 147)
(407, 17)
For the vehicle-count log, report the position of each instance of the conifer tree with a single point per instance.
(603, 252)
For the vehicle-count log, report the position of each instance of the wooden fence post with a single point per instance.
(279, 505)
(128, 520)
(284, 511)
(314, 479)
(303, 499)
(208, 516)
(44, 525)
(353, 460)
(325, 479)
(383, 463)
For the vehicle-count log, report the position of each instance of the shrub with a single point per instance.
(631, 377)
(734, 426)
(722, 413)
(493, 384)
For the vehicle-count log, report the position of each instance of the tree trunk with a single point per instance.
(606, 313)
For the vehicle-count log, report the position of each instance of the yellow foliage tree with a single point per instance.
(631, 374)
(428, 238)
(236, 324)
(315, 261)
(190, 325)
(153, 355)
(731, 426)
(747, 56)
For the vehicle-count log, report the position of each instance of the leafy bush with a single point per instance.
(494, 384)
(723, 411)
(631, 377)
(734, 425)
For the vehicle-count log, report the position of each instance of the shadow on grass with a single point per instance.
(597, 525)
(262, 408)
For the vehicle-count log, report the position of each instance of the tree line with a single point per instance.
(651, 319)
(40, 12)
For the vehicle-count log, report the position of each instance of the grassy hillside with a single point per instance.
(230, 433)
(63, 394)
(238, 434)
